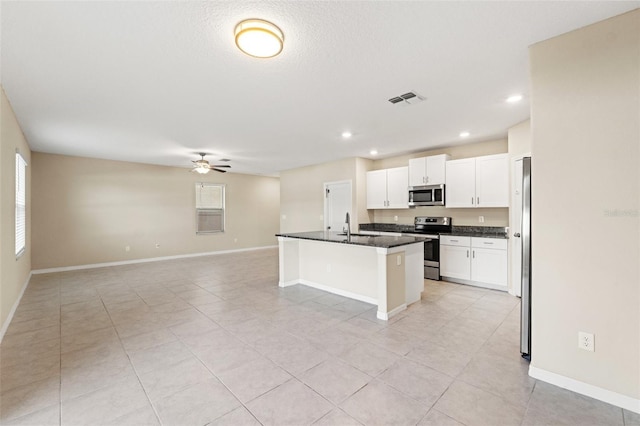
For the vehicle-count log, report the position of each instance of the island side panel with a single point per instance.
(391, 282)
(414, 270)
(344, 269)
(289, 261)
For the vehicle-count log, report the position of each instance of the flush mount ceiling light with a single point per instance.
(464, 134)
(373, 152)
(514, 98)
(346, 134)
(259, 38)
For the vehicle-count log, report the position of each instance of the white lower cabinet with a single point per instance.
(476, 261)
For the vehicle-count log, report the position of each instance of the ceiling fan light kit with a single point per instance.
(203, 167)
(259, 38)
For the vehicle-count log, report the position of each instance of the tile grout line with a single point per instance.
(129, 358)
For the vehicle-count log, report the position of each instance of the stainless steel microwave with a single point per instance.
(427, 195)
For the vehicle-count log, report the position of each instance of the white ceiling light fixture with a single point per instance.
(464, 134)
(347, 134)
(259, 38)
(514, 98)
(373, 152)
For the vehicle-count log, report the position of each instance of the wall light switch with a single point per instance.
(399, 260)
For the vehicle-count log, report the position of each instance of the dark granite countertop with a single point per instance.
(480, 231)
(463, 231)
(381, 241)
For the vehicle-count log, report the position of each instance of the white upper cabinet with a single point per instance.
(397, 188)
(478, 182)
(377, 189)
(387, 189)
(461, 183)
(427, 170)
(492, 181)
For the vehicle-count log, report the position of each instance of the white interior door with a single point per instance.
(337, 203)
(516, 221)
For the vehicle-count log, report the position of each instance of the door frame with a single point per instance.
(324, 198)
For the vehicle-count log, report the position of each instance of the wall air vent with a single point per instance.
(409, 98)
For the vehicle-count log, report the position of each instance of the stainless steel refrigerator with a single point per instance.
(524, 235)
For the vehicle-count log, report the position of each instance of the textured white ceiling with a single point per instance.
(156, 82)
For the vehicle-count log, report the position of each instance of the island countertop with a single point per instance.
(378, 241)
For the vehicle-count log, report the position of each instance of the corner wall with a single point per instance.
(14, 273)
(86, 211)
(586, 201)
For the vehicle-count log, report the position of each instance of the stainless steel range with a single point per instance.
(430, 228)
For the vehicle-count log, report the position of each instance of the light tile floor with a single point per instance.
(213, 340)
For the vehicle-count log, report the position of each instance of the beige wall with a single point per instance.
(469, 217)
(586, 198)
(86, 211)
(302, 193)
(13, 273)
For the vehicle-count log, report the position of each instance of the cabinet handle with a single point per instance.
(467, 253)
(478, 203)
(472, 200)
(454, 241)
(474, 254)
(427, 179)
(486, 242)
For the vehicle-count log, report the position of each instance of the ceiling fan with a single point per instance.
(202, 166)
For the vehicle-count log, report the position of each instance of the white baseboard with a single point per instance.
(344, 293)
(7, 321)
(288, 283)
(476, 284)
(386, 315)
(610, 397)
(150, 259)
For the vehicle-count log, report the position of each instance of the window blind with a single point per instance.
(209, 208)
(21, 207)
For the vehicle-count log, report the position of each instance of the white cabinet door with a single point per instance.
(397, 188)
(492, 181)
(455, 262)
(417, 171)
(461, 186)
(435, 169)
(377, 189)
(489, 266)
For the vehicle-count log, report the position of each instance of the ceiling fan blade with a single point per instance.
(218, 170)
(222, 165)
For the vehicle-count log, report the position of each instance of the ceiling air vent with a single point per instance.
(407, 98)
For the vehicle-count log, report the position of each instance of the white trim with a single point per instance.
(386, 315)
(610, 397)
(344, 293)
(476, 284)
(5, 326)
(145, 260)
(288, 283)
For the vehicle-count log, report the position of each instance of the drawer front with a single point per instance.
(489, 243)
(450, 240)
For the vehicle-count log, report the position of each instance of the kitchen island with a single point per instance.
(386, 271)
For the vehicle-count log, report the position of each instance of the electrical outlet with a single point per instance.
(399, 260)
(586, 341)
(395, 218)
(127, 248)
(481, 219)
(157, 245)
(235, 240)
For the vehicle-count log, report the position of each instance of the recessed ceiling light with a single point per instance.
(259, 38)
(373, 152)
(464, 134)
(346, 135)
(514, 98)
